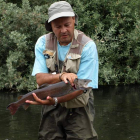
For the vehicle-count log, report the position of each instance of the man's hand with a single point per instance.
(69, 77)
(38, 101)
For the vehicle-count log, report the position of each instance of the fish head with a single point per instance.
(82, 83)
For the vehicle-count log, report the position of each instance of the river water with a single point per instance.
(117, 115)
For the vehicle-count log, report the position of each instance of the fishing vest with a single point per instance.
(70, 64)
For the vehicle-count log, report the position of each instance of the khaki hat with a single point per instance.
(57, 10)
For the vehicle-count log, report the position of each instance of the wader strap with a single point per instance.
(79, 42)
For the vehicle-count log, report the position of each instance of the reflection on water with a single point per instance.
(23, 125)
(117, 116)
(118, 113)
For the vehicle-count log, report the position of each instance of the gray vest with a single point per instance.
(70, 64)
(72, 60)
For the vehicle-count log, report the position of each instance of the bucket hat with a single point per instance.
(57, 10)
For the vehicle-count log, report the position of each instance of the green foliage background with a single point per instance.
(113, 25)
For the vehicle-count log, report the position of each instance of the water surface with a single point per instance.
(23, 125)
(117, 115)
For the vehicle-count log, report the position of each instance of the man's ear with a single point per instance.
(73, 19)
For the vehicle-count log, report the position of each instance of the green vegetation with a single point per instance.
(113, 25)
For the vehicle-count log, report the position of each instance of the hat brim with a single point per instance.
(48, 22)
(62, 14)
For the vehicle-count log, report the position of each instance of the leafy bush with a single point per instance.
(113, 25)
(20, 28)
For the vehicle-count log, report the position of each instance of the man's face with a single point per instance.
(63, 29)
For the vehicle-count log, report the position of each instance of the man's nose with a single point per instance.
(63, 29)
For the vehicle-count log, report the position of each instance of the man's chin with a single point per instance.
(65, 41)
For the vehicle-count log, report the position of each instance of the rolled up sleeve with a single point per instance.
(40, 61)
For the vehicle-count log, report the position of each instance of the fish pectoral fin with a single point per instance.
(25, 106)
(19, 97)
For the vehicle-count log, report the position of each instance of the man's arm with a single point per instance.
(50, 101)
(42, 78)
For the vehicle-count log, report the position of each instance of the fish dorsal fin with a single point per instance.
(44, 85)
(19, 97)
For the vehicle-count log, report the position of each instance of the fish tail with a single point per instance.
(13, 108)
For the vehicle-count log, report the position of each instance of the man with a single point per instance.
(70, 54)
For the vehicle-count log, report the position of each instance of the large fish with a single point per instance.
(52, 90)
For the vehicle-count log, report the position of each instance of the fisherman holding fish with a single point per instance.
(65, 54)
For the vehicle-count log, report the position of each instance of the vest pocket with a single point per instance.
(72, 63)
(79, 101)
(50, 59)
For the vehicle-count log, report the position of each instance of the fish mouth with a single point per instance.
(86, 83)
(82, 83)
